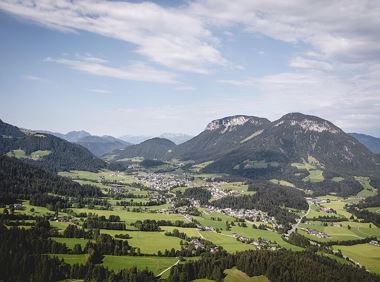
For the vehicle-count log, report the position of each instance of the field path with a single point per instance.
(162, 272)
(295, 226)
(186, 218)
(225, 234)
(200, 234)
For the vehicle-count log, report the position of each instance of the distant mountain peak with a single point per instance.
(308, 123)
(232, 122)
(159, 140)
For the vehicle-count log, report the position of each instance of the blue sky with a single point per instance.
(119, 67)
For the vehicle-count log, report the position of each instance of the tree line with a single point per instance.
(277, 266)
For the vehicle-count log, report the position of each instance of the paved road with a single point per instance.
(295, 226)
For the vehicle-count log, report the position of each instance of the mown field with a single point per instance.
(235, 275)
(365, 254)
(71, 242)
(154, 264)
(340, 231)
(148, 242)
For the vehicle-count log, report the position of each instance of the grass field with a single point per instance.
(365, 254)
(358, 231)
(235, 275)
(236, 186)
(148, 242)
(36, 155)
(338, 205)
(94, 183)
(154, 264)
(191, 232)
(206, 220)
(337, 179)
(71, 259)
(374, 209)
(59, 225)
(334, 257)
(227, 242)
(200, 166)
(315, 212)
(249, 232)
(315, 174)
(282, 182)
(100, 175)
(368, 190)
(129, 217)
(70, 242)
(304, 165)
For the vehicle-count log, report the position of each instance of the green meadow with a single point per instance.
(130, 217)
(229, 243)
(154, 264)
(148, 242)
(336, 232)
(368, 189)
(71, 242)
(235, 275)
(366, 254)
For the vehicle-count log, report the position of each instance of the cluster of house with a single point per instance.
(162, 181)
(199, 245)
(217, 193)
(326, 210)
(20, 207)
(318, 202)
(61, 218)
(375, 243)
(248, 214)
(315, 233)
(260, 243)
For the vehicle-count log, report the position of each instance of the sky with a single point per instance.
(144, 68)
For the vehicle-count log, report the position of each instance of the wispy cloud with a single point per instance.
(353, 104)
(34, 78)
(303, 63)
(100, 91)
(168, 36)
(185, 88)
(135, 71)
(347, 32)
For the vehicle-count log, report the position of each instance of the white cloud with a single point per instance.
(346, 31)
(168, 36)
(135, 71)
(185, 88)
(33, 77)
(300, 62)
(337, 73)
(100, 91)
(354, 104)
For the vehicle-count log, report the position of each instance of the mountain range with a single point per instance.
(155, 148)
(177, 138)
(45, 150)
(98, 145)
(256, 147)
(244, 145)
(372, 143)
